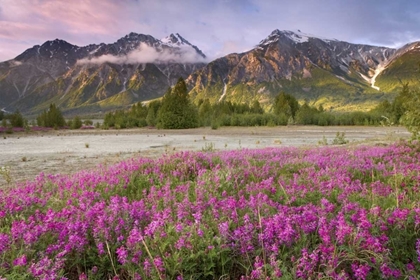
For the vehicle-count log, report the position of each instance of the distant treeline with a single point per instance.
(176, 111)
(51, 118)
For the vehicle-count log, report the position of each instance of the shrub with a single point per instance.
(340, 139)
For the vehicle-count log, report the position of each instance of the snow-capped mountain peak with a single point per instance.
(296, 36)
(175, 40)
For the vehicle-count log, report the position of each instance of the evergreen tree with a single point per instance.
(76, 123)
(152, 112)
(205, 111)
(306, 115)
(256, 107)
(16, 119)
(285, 104)
(177, 111)
(138, 111)
(400, 103)
(51, 118)
(411, 117)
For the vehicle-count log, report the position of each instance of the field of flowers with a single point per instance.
(283, 213)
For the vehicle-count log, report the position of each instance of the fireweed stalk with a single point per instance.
(330, 212)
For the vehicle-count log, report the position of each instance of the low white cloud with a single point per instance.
(148, 54)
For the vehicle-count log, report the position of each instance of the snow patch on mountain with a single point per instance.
(298, 37)
(224, 92)
(95, 50)
(378, 71)
(367, 79)
(14, 63)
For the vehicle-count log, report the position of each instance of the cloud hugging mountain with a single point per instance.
(336, 74)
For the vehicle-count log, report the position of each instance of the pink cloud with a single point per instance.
(73, 17)
(80, 22)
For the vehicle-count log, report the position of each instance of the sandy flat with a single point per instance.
(68, 151)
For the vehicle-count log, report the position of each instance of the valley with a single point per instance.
(70, 151)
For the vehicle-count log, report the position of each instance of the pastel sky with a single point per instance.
(217, 27)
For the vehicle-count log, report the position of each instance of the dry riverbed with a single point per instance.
(25, 155)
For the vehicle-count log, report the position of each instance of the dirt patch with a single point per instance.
(28, 154)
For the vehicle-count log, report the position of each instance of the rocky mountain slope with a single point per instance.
(96, 77)
(336, 74)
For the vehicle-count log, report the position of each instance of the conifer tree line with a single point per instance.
(176, 111)
(12, 120)
(52, 118)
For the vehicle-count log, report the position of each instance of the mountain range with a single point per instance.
(101, 77)
(96, 77)
(336, 74)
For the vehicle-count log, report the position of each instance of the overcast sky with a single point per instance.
(217, 27)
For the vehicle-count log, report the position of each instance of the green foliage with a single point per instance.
(88, 122)
(16, 119)
(152, 112)
(205, 112)
(404, 110)
(135, 117)
(1, 115)
(5, 173)
(215, 124)
(323, 141)
(256, 107)
(227, 113)
(176, 111)
(306, 115)
(285, 104)
(398, 106)
(208, 147)
(393, 111)
(51, 118)
(411, 117)
(76, 123)
(340, 139)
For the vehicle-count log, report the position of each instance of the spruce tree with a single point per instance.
(285, 104)
(411, 117)
(51, 118)
(152, 112)
(76, 123)
(177, 111)
(16, 119)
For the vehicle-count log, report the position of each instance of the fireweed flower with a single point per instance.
(4, 242)
(20, 261)
(147, 266)
(159, 264)
(122, 255)
(360, 271)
